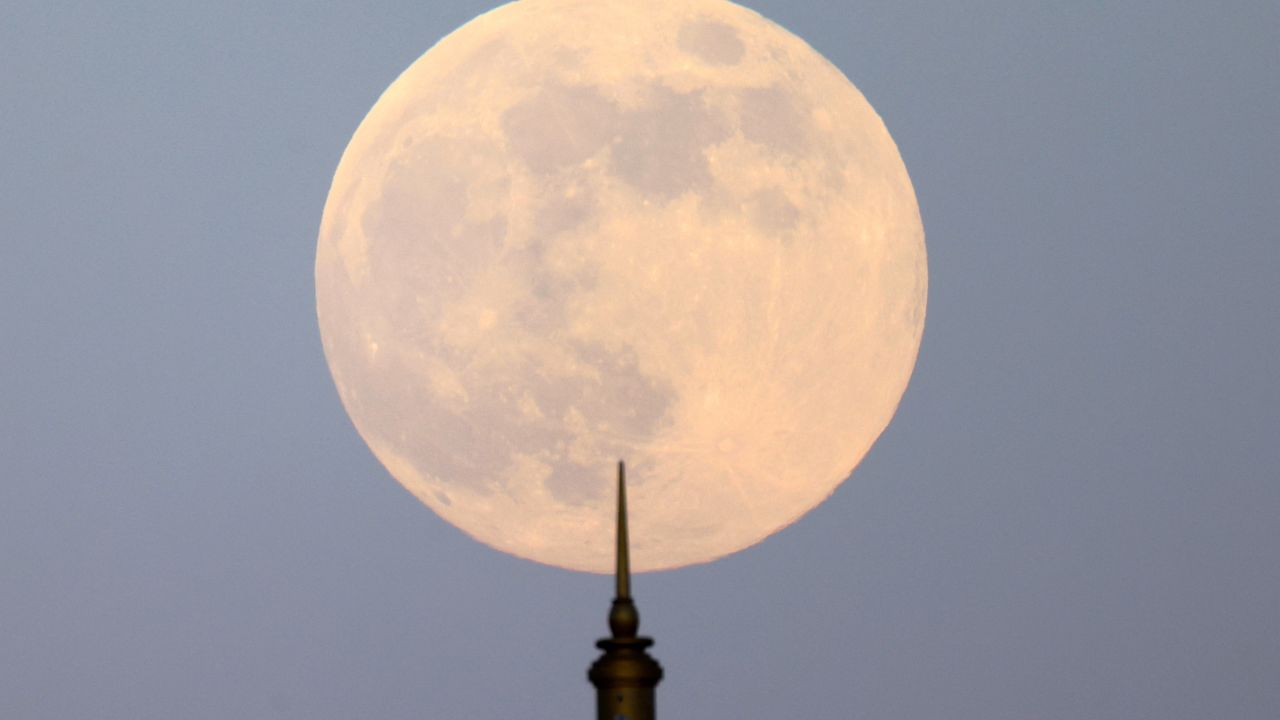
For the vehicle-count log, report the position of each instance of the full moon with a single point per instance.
(577, 231)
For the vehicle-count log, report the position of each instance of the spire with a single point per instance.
(624, 619)
(625, 675)
(624, 561)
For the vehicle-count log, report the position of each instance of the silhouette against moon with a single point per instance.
(582, 230)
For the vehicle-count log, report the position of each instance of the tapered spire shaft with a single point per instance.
(624, 619)
(625, 675)
(624, 552)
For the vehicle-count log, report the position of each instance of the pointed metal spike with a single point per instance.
(624, 559)
(625, 675)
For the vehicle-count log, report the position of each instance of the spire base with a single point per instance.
(625, 677)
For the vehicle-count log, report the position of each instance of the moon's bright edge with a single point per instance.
(582, 230)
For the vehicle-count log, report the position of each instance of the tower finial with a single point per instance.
(625, 675)
(624, 619)
(624, 559)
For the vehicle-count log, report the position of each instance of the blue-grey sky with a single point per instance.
(1075, 513)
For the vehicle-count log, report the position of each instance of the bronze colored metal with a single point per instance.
(625, 675)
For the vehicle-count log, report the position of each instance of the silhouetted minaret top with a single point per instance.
(624, 620)
(624, 675)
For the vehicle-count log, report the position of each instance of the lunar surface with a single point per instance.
(577, 231)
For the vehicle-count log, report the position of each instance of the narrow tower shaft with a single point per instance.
(622, 569)
(625, 675)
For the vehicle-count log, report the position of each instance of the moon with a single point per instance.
(581, 230)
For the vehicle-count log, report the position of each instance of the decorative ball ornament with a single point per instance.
(582, 230)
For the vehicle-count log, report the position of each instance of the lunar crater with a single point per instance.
(560, 126)
(773, 117)
(662, 149)
(712, 42)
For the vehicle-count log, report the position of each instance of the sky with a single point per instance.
(1074, 514)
